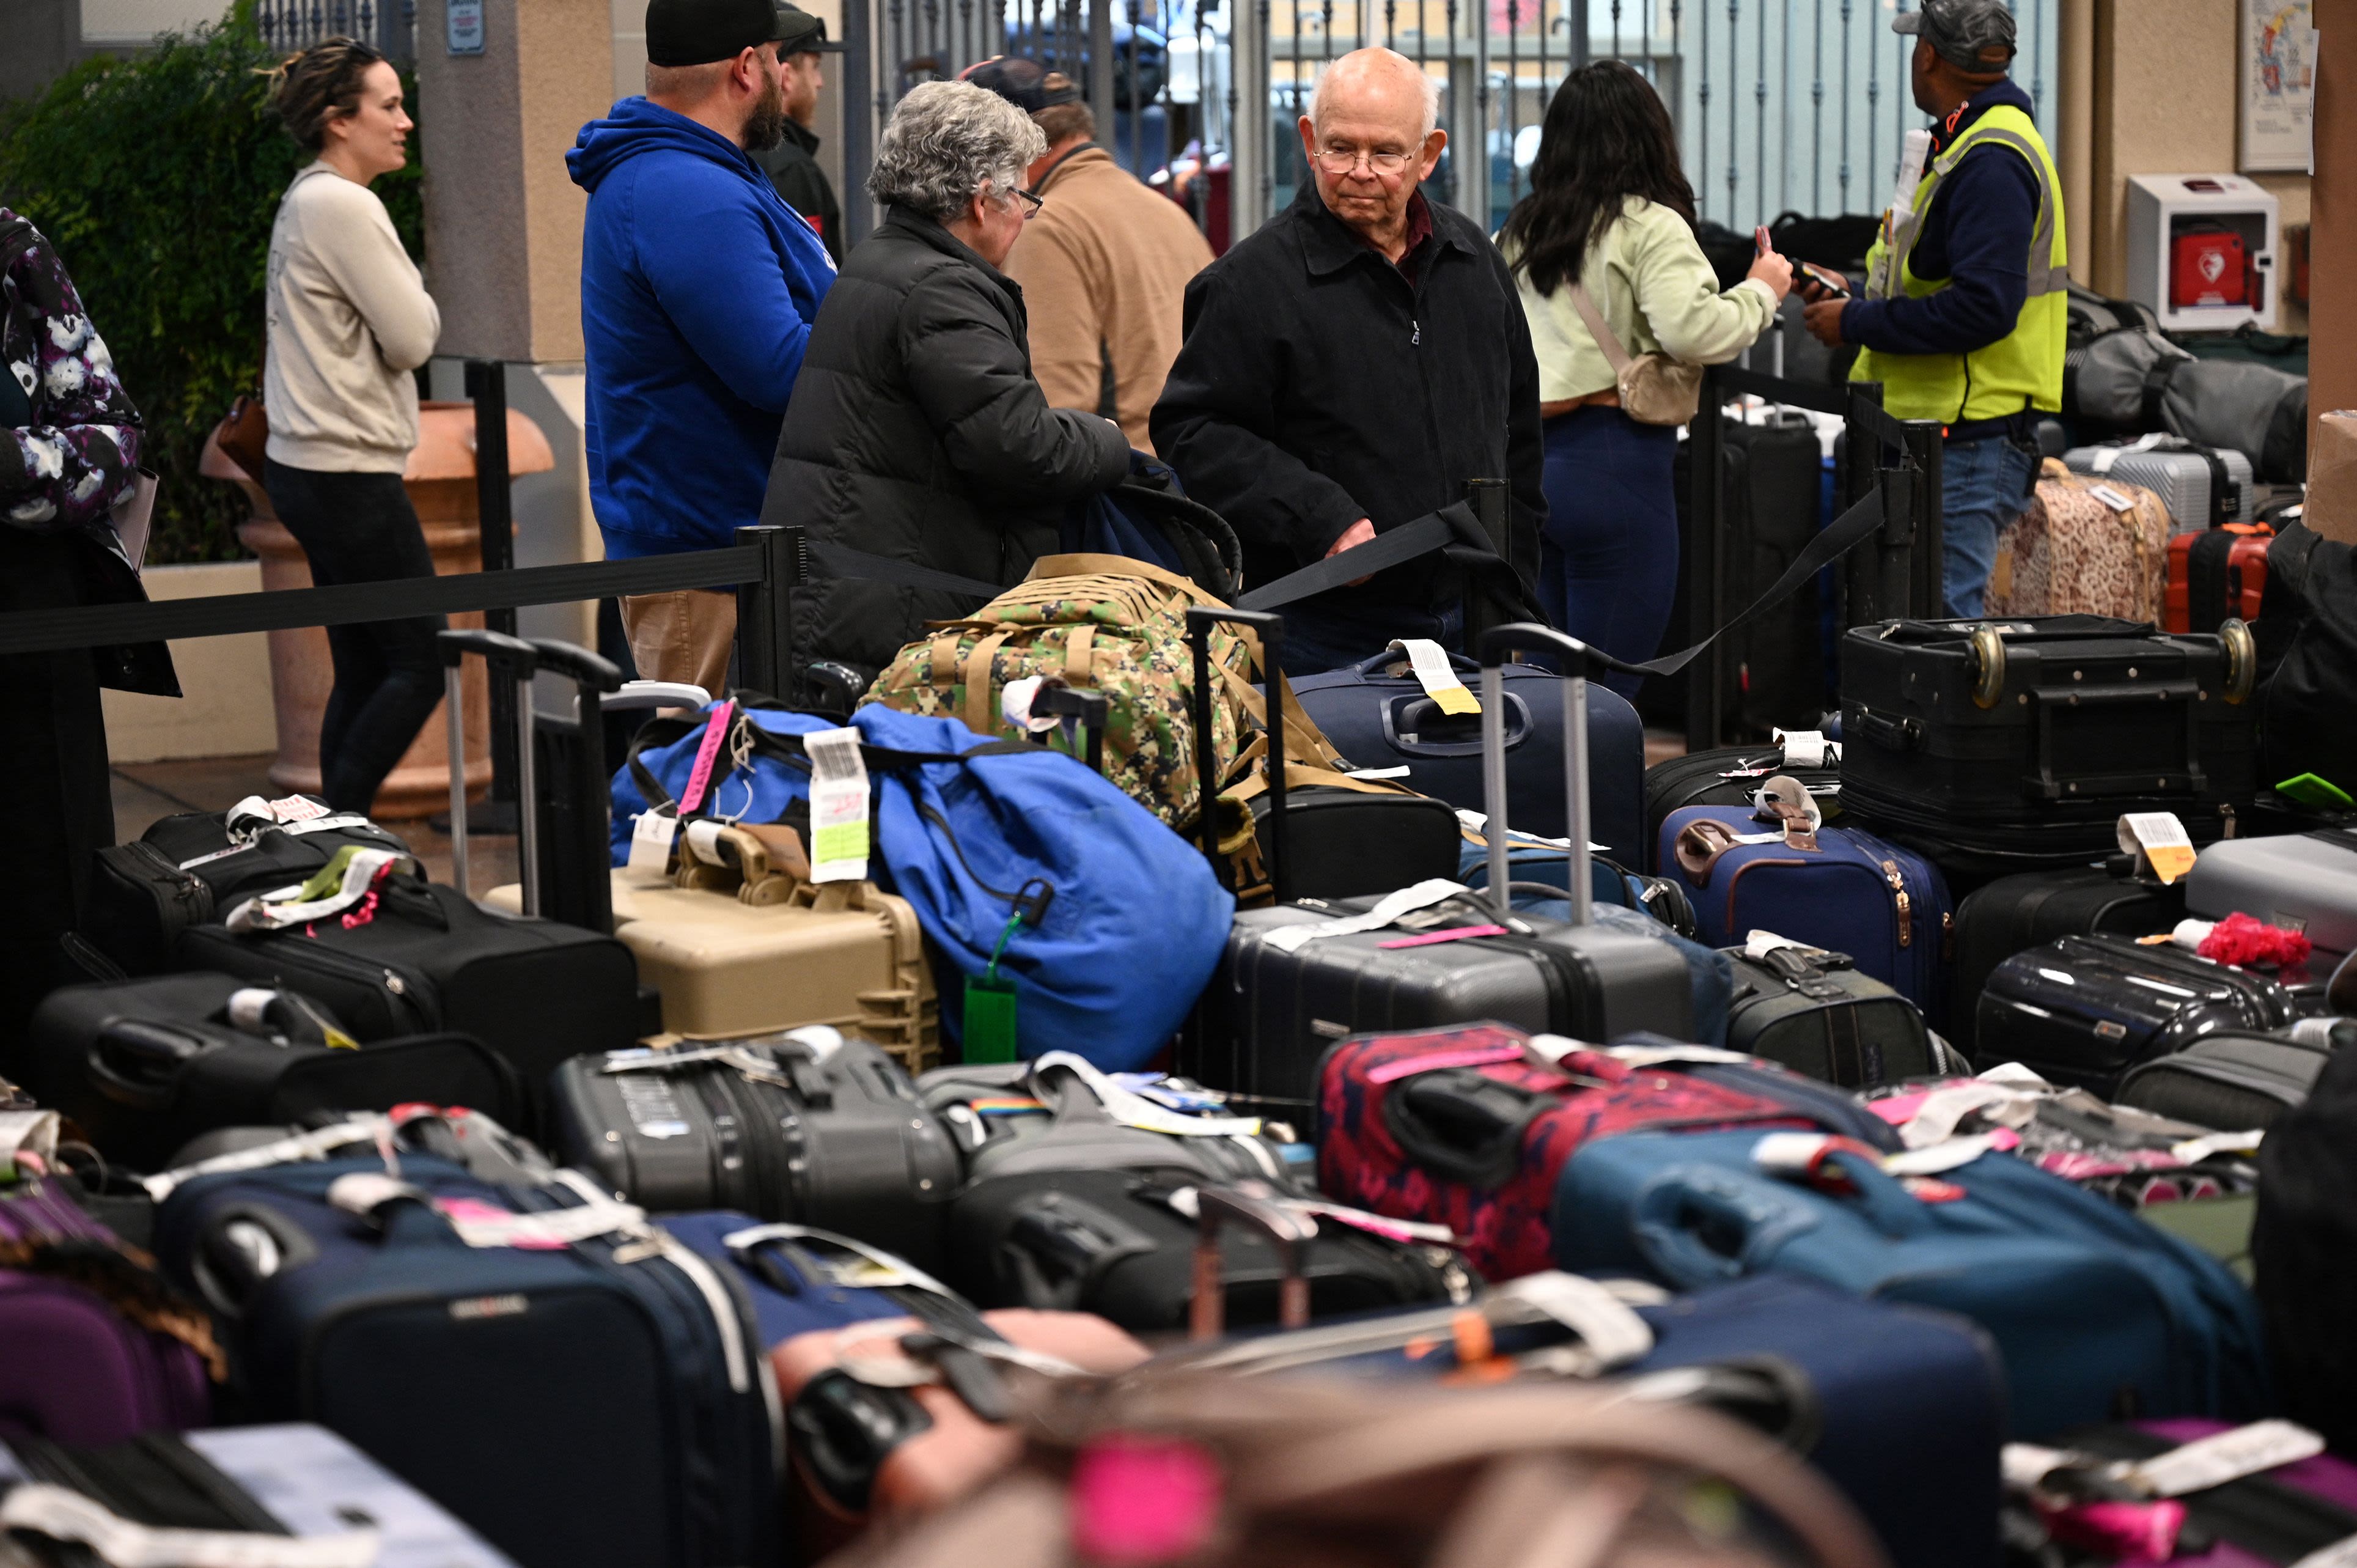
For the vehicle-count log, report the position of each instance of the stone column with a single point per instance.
(503, 239)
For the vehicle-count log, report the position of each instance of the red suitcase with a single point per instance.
(1468, 1128)
(2217, 573)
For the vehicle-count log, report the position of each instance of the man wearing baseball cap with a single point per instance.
(1962, 314)
(792, 164)
(698, 288)
(1104, 266)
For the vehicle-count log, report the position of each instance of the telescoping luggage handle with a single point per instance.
(1270, 629)
(595, 679)
(1576, 656)
(1289, 1229)
(517, 658)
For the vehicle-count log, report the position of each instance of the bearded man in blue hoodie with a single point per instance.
(698, 288)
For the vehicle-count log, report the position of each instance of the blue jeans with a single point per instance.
(1609, 557)
(1983, 485)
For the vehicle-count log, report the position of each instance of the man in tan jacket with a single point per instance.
(1103, 265)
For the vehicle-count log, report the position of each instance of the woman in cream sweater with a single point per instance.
(349, 319)
(1609, 207)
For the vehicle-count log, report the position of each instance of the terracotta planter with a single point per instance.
(440, 479)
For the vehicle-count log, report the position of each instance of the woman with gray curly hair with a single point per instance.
(916, 431)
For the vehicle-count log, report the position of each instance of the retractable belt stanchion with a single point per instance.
(487, 386)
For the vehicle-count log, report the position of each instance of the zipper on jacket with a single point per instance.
(1899, 899)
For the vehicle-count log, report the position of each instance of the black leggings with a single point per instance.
(359, 528)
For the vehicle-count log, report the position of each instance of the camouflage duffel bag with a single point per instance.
(1103, 623)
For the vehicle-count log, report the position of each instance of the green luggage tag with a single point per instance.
(2308, 789)
(990, 1006)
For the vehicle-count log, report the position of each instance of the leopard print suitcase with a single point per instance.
(2085, 546)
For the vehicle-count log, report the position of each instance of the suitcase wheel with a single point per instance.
(1987, 654)
(2242, 659)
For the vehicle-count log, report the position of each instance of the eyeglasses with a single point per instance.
(1031, 203)
(1341, 162)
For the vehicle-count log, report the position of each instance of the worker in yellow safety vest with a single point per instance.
(1961, 315)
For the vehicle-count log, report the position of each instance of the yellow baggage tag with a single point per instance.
(1437, 675)
(2159, 840)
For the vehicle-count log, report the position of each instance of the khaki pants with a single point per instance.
(685, 635)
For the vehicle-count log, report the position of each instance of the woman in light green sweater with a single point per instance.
(1609, 208)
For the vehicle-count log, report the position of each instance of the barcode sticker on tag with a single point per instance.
(2112, 497)
(2159, 840)
(1437, 676)
(839, 812)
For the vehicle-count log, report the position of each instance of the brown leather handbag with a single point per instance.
(243, 433)
(1219, 1472)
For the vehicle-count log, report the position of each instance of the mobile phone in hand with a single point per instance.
(1760, 240)
(1833, 284)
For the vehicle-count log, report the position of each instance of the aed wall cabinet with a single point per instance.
(2201, 250)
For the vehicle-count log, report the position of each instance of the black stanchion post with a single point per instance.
(1930, 596)
(765, 610)
(1706, 550)
(487, 385)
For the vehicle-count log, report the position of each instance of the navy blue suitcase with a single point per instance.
(1852, 893)
(1901, 1408)
(795, 1277)
(597, 1404)
(1377, 715)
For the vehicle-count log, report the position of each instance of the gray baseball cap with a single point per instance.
(1975, 36)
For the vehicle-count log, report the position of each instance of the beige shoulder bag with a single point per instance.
(1654, 388)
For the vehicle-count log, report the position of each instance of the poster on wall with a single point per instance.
(2278, 68)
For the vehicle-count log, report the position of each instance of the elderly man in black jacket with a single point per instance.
(917, 431)
(1351, 365)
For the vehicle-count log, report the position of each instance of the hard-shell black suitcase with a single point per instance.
(1122, 1244)
(1814, 1012)
(1728, 776)
(2084, 1010)
(192, 869)
(2030, 908)
(1282, 994)
(790, 1128)
(143, 1066)
(429, 959)
(1016, 1119)
(2023, 741)
(2229, 1081)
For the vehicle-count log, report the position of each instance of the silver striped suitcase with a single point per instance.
(2201, 486)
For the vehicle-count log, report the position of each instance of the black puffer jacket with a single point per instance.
(917, 432)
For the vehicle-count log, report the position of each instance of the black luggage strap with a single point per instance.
(1401, 545)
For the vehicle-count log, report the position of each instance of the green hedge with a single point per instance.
(157, 178)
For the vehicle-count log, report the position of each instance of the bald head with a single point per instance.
(1378, 83)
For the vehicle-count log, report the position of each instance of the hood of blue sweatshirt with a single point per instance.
(699, 286)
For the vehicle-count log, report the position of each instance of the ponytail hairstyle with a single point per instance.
(1607, 137)
(314, 86)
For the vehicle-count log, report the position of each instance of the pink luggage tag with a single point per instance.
(707, 751)
(1453, 934)
(475, 1208)
(1470, 1056)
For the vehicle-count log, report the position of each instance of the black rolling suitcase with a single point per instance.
(1122, 1244)
(194, 868)
(1813, 1011)
(2018, 744)
(143, 1066)
(1282, 994)
(426, 958)
(1769, 509)
(2030, 908)
(2084, 1010)
(1729, 775)
(2229, 1081)
(787, 1129)
(1016, 1119)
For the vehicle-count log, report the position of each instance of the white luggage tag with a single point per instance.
(340, 886)
(1135, 1110)
(2193, 1467)
(1423, 895)
(33, 1133)
(1015, 707)
(651, 833)
(839, 806)
(63, 1514)
(2159, 843)
(1806, 747)
(1437, 675)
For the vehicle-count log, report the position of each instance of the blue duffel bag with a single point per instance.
(1885, 906)
(1377, 715)
(2093, 1309)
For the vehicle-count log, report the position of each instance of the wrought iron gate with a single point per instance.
(1780, 104)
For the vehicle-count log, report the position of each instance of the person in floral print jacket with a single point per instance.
(70, 444)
